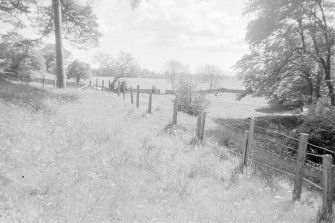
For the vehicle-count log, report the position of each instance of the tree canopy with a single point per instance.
(78, 70)
(291, 50)
(19, 55)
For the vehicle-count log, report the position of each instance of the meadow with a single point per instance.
(89, 156)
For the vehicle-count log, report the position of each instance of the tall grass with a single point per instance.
(91, 157)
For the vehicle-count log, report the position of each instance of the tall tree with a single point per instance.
(174, 70)
(210, 74)
(290, 37)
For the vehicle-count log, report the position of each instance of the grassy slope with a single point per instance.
(71, 156)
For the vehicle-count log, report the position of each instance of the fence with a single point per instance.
(277, 151)
(266, 148)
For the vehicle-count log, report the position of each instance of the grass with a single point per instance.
(87, 156)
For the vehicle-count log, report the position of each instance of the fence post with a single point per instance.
(131, 96)
(109, 85)
(202, 129)
(251, 136)
(96, 84)
(197, 131)
(90, 82)
(43, 81)
(175, 111)
(102, 85)
(118, 88)
(326, 212)
(299, 173)
(138, 97)
(150, 102)
(245, 148)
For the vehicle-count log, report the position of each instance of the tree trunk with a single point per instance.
(59, 44)
(112, 85)
(310, 88)
(327, 67)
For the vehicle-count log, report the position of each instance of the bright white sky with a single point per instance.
(194, 32)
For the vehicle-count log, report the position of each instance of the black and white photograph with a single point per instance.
(167, 111)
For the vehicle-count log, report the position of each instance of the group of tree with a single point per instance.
(177, 72)
(20, 56)
(124, 65)
(291, 55)
(66, 18)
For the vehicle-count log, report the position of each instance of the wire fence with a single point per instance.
(277, 151)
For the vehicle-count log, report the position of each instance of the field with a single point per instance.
(89, 156)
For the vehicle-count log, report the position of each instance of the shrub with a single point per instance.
(319, 123)
(189, 100)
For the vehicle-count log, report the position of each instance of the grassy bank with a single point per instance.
(71, 156)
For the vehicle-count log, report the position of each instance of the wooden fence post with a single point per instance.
(202, 129)
(175, 111)
(118, 88)
(102, 85)
(150, 102)
(198, 127)
(299, 173)
(251, 136)
(96, 84)
(245, 148)
(90, 82)
(138, 97)
(131, 96)
(326, 212)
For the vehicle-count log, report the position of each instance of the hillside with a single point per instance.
(89, 156)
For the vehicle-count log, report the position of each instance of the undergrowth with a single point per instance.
(91, 157)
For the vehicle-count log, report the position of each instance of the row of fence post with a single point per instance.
(325, 214)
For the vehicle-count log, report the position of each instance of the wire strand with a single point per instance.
(276, 132)
(271, 140)
(322, 148)
(279, 170)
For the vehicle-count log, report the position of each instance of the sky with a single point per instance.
(194, 32)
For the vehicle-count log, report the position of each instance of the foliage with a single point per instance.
(20, 56)
(189, 100)
(49, 53)
(124, 65)
(319, 123)
(78, 70)
(291, 43)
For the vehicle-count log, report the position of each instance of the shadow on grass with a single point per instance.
(30, 97)
(273, 108)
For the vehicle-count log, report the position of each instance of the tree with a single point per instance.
(20, 56)
(78, 70)
(49, 54)
(124, 65)
(174, 70)
(210, 74)
(289, 38)
(78, 23)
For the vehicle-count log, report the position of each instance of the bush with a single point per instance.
(190, 101)
(320, 125)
